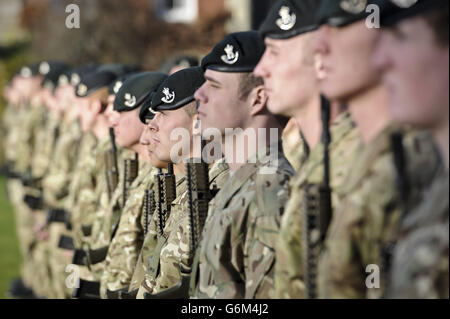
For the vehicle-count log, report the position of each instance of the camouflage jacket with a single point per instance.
(173, 248)
(365, 224)
(87, 185)
(44, 146)
(150, 244)
(345, 146)
(420, 261)
(127, 242)
(103, 221)
(236, 256)
(56, 182)
(32, 121)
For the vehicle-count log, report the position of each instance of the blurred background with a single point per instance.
(143, 32)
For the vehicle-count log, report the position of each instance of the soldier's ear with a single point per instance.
(258, 99)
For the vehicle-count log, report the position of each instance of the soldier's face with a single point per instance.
(287, 68)
(146, 141)
(110, 114)
(163, 125)
(66, 96)
(346, 60)
(128, 129)
(219, 104)
(86, 115)
(415, 72)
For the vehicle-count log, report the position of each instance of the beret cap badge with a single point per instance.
(63, 80)
(404, 3)
(117, 86)
(353, 6)
(130, 100)
(169, 97)
(287, 20)
(82, 89)
(26, 72)
(44, 68)
(75, 79)
(231, 57)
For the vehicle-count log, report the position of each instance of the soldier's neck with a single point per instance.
(370, 112)
(235, 157)
(309, 121)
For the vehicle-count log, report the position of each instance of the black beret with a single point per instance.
(238, 52)
(289, 18)
(29, 71)
(93, 82)
(339, 13)
(114, 87)
(77, 73)
(185, 61)
(146, 112)
(178, 90)
(52, 70)
(135, 89)
(403, 9)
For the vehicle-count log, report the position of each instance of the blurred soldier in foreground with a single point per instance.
(357, 248)
(413, 55)
(295, 254)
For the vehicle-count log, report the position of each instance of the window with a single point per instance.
(177, 11)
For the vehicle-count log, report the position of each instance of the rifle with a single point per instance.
(317, 211)
(130, 173)
(166, 191)
(111, 165)
(199, 196)
(149, 208)
(404, 188)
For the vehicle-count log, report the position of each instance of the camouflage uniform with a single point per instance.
(103, 223)
(236, 256)
(344, 148)
(173, 248)
(127, 242)
(56, 183)
(150, 244)
(366, 223)
(420, 263)
(56, 189)
(295, 148)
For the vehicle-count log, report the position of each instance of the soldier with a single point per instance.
(357, 246)
(236, 255)
(127, 241)
(149, 214)
(91, 95)
(305, 107)
(15, 112)
(413, 55)
(175, 108)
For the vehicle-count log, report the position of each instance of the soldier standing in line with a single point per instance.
(236, 255)
(285, 49)
(413, 55)
(365, 225)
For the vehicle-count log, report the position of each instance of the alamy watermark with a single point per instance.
(73, 19)
(235, 145)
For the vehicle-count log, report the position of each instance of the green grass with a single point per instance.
(9, 250)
